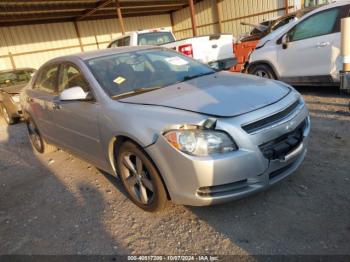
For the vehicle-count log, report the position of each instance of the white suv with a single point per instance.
(306, 51)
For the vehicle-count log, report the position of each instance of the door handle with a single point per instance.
(323, 44)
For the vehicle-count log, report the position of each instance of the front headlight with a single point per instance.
(201, 142)
(15, 98)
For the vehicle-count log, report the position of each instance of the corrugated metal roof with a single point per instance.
(24, 12)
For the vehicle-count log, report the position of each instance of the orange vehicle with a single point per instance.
(242, 51)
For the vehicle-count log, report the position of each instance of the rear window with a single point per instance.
(125, 41)
(155, 38)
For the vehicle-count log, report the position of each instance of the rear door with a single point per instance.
(41, 97)
(76, 122)
(313, 47)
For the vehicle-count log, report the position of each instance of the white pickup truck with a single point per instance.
(215, 50)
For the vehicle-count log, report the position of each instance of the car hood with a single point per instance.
(15, 89)
(222, 94)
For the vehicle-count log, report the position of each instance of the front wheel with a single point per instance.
(263, 71)
(141, 178)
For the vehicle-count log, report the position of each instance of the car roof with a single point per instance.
(104, 52)
(17, 69)
(325, 7)
(330, 5)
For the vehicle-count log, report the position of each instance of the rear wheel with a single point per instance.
(9, 120)
(37, 141)
(141, 178)
(263, 71)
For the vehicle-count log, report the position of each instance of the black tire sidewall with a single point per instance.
(160, 195)
(264, 68)
(41, 150)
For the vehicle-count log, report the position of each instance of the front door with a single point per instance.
(77, 126)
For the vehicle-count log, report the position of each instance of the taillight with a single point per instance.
(186, 50)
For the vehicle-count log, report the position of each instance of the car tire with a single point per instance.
(5, 114)
(141, 178)
(263, 71)
(38, 143)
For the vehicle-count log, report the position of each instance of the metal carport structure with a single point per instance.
(32, 31)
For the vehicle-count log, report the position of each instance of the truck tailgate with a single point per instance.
(207, 49)
(213, 48)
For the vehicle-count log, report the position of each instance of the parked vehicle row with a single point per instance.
(301, 48)
(169, 126)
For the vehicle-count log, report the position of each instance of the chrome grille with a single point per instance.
(270, 120)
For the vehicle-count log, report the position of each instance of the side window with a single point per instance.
(113, 44)
(47, 81)
(127, 41)
(120, 42)
(319, 24)
(71, 77)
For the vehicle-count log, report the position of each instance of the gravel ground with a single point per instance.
(58, 204)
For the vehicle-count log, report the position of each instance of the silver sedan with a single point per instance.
(169, 127)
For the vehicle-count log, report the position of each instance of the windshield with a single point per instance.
(155, 38)
(15, 77)
(145, 70)
(261, 28)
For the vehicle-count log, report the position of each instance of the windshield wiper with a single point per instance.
(135, 92)
(186, 78)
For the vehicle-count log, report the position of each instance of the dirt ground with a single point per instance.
(58, 204)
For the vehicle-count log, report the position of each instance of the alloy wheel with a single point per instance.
(137, 179)
(262, 74)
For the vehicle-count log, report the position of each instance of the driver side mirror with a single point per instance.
(285, 41)
(74, 94)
